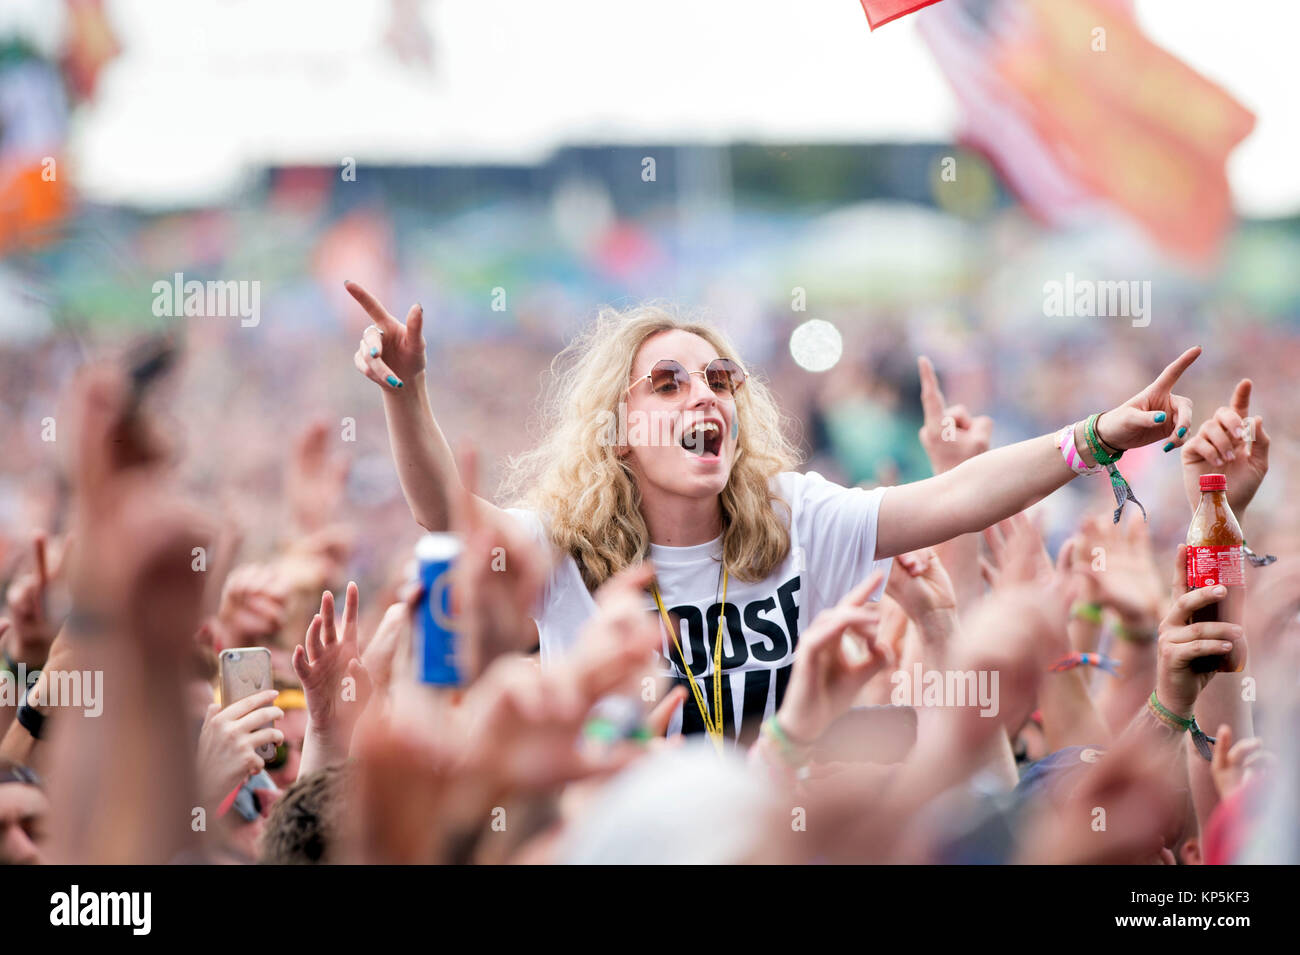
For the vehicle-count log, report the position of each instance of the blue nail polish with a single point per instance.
(1182, 431)
(1160, 417)
(393, 381)
(735, 428)
(1169, 446)
(374, 352)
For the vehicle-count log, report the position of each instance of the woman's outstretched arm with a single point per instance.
(392, 355)
(990, 487)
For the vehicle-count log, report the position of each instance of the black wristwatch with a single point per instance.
(30, 718)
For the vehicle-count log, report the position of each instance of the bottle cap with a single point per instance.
(1214, 482)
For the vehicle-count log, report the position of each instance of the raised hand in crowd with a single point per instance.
(1119, 561)
(334, 681)
(499, 577)
(1236, 762)
(432, 771)
(920, 584)
(1017, 555)
(27, 605)
(1019, 559)
(1237, 440)
(1230, 442)
(29, 631)
(1181, 652)
(314, 480)
(386, 655)
(918, 621)
(1116, 566)
(253, 607)
(391, 353)
(835, 658)
(950, 435)
(136, 600)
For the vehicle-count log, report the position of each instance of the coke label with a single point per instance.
(1208, 566)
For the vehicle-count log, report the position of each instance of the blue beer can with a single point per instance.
(434, 634)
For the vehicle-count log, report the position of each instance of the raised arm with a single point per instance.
(990, 487)
(1231, 442)
(392, 355)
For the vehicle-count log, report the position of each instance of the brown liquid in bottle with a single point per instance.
(1214, 554)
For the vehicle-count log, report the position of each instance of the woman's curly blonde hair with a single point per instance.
(586, 492)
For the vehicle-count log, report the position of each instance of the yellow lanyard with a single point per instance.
(712, 725)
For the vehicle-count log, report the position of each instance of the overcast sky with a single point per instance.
(206, 89)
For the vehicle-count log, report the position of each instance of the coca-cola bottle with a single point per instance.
(1214, 552)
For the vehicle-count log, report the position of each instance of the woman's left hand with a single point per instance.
(1154, 414)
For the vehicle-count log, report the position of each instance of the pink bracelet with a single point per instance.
(1065, 442)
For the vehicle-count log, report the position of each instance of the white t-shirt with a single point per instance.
(832, 549)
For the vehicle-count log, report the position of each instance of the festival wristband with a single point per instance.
(1091, 612)
(1200, 739)
(793, 753)
(1123, 493)
(1255, 559)
(1135, 636)
(1098, 660)
(1065, 444)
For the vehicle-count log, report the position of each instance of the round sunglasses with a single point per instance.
(668, 377)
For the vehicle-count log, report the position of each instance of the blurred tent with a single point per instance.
(880, 253)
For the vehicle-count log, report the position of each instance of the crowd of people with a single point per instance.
(617, 703)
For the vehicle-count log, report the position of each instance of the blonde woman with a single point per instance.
(660, 444)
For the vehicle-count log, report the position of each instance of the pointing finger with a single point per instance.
(1174, 370)
(863, 591)
(1241, 397)
(932, 402)
(659, 718)
(329, 632)
(350, 602)
(378, 314)
(466, 516)
(38, 548)
(415, 321)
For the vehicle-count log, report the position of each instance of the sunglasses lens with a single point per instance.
(725, 375)
(667, 376)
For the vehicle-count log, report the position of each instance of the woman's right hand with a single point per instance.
(397, 355)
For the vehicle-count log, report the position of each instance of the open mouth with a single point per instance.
(703, 439)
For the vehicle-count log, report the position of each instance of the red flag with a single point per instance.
(1075, 105)
(880, 12)
(1140, 127)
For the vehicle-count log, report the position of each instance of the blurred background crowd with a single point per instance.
(934, 238)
